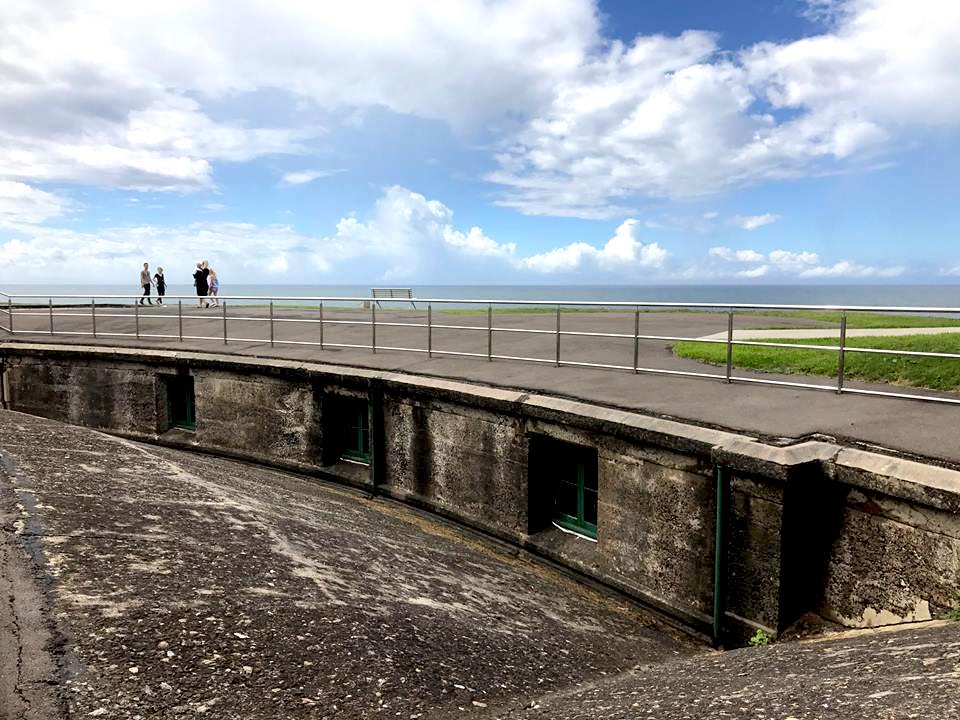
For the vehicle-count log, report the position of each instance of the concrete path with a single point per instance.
(180, 585)
(187, 585)
(911, 427)
(809, 333)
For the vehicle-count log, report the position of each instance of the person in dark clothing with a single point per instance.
(145, 283)
(200, 281)
(161, 284)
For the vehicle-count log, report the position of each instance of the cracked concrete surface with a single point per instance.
(143, 582)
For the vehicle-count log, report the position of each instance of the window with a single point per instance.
(354, 416)
(180, 402)
(563, 486)
(575, 492)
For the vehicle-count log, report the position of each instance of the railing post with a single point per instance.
(93, 315)
(842, 353)
(490, 333)
(224, 306)
(271, 322)
(429, 330)
(730, 346)
(51, 314)
(136, 315)
(10, 312)
(636, 340)
(180, 319)
(557, 359)
(321, 325)
(373, 327)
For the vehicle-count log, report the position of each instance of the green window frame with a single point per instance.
(355, 440)
(576, 493)
(181, 402)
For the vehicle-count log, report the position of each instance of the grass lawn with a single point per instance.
(863, 319)
(933, 373)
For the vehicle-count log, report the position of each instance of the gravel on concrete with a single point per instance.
(184, 584)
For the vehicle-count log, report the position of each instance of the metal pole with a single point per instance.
(10, 312)
(93, 315)
(51, 315)
(271, 322)
(842, 353)
(730, 346)
(636, 340)
(719, 556)
(490, 333)
(557, 359)
(180, 318)
(373, 328)
(224, 322)
(321, 326)
(429, 330)
(136, 315)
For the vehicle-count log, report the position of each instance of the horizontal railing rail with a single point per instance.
(20, 308)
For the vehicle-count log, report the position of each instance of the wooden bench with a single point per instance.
(393, 294)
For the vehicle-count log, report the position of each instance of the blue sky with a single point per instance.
(482, 141)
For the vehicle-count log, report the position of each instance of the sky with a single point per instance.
(481, 141)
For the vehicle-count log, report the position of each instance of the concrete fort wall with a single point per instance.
(859, 537)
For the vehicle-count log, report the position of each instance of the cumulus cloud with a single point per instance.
(306, 176)
(622, 253)
(675, 117)
(752, 222)
(800, 264)
(22, 204)
(105, 92)
(404, 237)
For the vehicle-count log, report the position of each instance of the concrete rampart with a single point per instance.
(719, 530)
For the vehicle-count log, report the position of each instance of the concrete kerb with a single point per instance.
(890, 475)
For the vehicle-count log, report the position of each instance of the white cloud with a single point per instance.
(406, 236)
(674, 117)
(725, 253)
(305, 176)
(214, 207)
(621, 254)
(800, 264)
(759, 271)
(138, 96)
(752, 222)
(22, 204)
(845, 268)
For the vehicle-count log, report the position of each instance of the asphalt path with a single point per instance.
(907, 426)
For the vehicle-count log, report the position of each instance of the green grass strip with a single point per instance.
(932, 373)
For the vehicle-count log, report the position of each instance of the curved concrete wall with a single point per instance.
(859, 537)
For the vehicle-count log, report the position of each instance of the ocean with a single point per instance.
(889, 295)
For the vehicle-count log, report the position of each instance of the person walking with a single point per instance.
(145, 283)
(214, 287)
(161, 284)
(200, 281)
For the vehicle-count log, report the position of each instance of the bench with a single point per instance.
(393, 294)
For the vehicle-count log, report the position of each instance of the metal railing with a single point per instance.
(105, 307)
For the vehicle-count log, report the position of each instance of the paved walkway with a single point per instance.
(912, 427)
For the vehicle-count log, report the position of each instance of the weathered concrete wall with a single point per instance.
(278, 419)
(861, 538)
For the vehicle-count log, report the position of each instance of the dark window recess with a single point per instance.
(180, 402)
(353, 418)
(563, 486)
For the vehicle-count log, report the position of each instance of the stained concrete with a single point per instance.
(153, 583)
(184, 584)
(763, 410)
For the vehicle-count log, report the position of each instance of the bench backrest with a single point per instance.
(401, 293)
